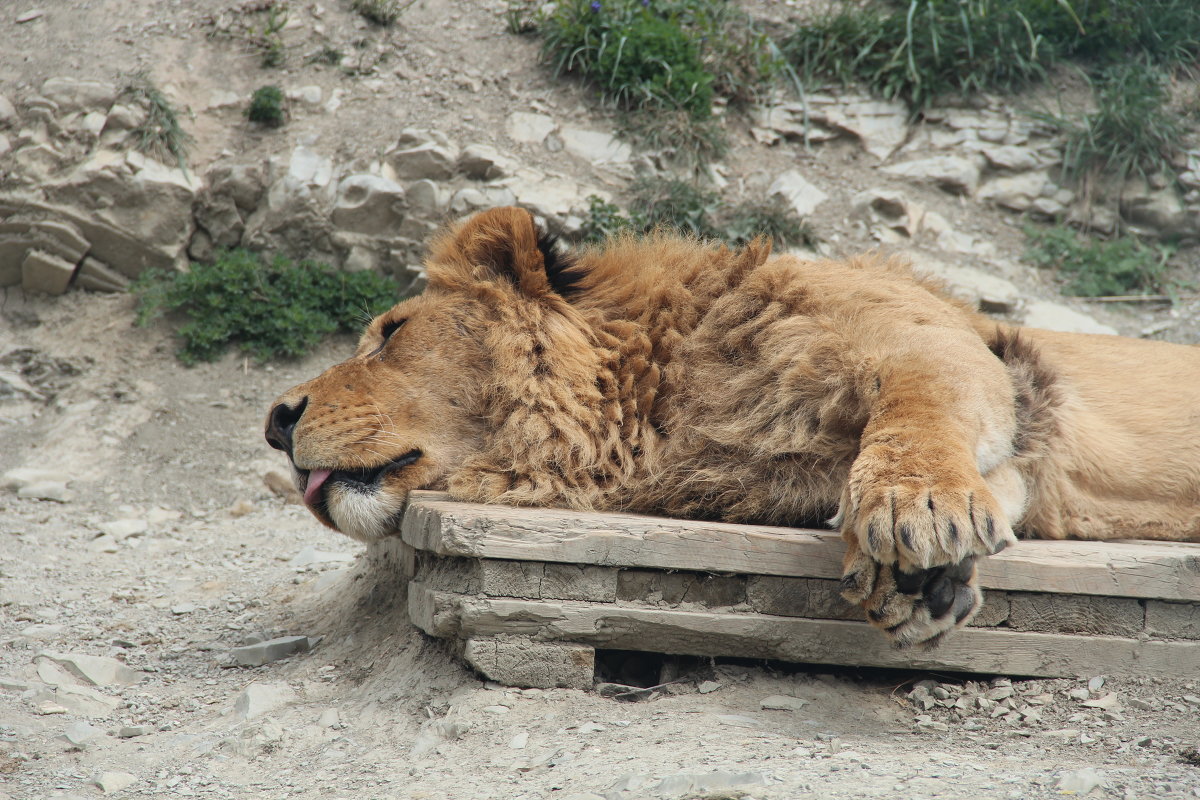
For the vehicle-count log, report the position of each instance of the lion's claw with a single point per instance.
(917, 607)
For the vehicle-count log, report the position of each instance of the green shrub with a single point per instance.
(266, 106)
(269, 309)
(636, 57)
(1132, 130)
(747, 221)
(1096, 268)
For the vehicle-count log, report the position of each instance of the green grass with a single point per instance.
(266, 107)
(161, 134)
(1133, 131)
(268, 309)
(682, 206)
(1098, 268)
(922, 50)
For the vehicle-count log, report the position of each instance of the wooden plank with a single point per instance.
(1166, 571)
(795, 639)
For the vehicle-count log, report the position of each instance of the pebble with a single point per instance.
(1140, 704)
(330, 718)
(591, 727)
(30, 16)
(495, 709)
(707, 687)
(121, 529)
(179, 609)
(133, 731)
(781, 702)
(259, 653)
(1191, 699)
(1079, 693)
(113, 782)
(45, 490)
(1096, 683)
(519, 741)
(1110, 702)
(47, 707)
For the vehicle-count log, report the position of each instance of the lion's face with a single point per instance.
(397, 416)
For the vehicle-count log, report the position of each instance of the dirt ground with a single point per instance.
(168, 550)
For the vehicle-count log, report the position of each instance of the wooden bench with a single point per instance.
(528, 595)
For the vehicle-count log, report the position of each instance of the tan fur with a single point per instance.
(685, 378)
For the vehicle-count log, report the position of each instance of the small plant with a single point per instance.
(160, 135)
(381, 12)
(682, 206)
(326, 55)
(1132, 131)
(270, 41)
(684, 140)
(521, 17)
(266, 107)
(1098, 268)
(747, 221)
(275, 309)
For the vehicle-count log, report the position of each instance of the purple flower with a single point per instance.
(595, 5)
(645, 3)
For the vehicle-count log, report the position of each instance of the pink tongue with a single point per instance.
(315, 479)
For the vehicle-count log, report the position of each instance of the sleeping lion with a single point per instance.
(666, 375)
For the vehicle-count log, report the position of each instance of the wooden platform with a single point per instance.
(528, 595)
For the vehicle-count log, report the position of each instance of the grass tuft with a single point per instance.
(160, 135)
(383, 13)
(268, 309)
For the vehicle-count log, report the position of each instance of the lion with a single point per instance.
(674, 376)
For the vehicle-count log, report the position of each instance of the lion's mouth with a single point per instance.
(315, 483)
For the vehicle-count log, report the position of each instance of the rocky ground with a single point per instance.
(147, 567)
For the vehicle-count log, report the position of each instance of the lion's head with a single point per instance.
(418, 399)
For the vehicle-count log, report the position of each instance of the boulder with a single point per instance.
(42, 272)
(528, 128)
(1016, 192)
(792, 187)
(428, 161)
(1058, 317)
(595, 147)
(76, 94)
(218, 215)
(368, 204)
(483, 163)
(953, 173)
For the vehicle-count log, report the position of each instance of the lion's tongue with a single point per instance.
(315, 479)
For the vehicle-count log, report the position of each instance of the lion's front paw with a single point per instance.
(913, 608)
(921, 521)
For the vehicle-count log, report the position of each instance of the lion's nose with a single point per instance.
(282, 424)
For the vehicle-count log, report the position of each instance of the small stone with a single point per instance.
(999, 693)
(1096, 683)
(47, 707)
(330, 718)
(781, 702)
(45, 490)
(13, 684)
(1140, 704)
(1110, 702)
(261, 698)
(1191, 699)
(79, 734)
(133, 731)
(1079, 693)
(707, 687)
(113, 782)
(522, 126)
(519, 741)
(793, 188)
(30, 16)
(495, 709)
(255, 655)
(121, 529)
(591, 727)
(1080, 781)
(179, 609)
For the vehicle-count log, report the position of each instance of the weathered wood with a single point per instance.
(1113, 616)
(794, 639)
(1173, 620)
(1166, 571)
(521, 661)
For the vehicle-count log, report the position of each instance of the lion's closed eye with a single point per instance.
(386, 333)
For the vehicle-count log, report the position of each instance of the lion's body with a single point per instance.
(670, 376)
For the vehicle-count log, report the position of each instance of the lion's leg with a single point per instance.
(917, 510)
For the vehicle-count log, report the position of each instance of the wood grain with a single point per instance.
(793, 639)
(1165, 571)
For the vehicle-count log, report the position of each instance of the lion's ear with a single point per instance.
(503, 244)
